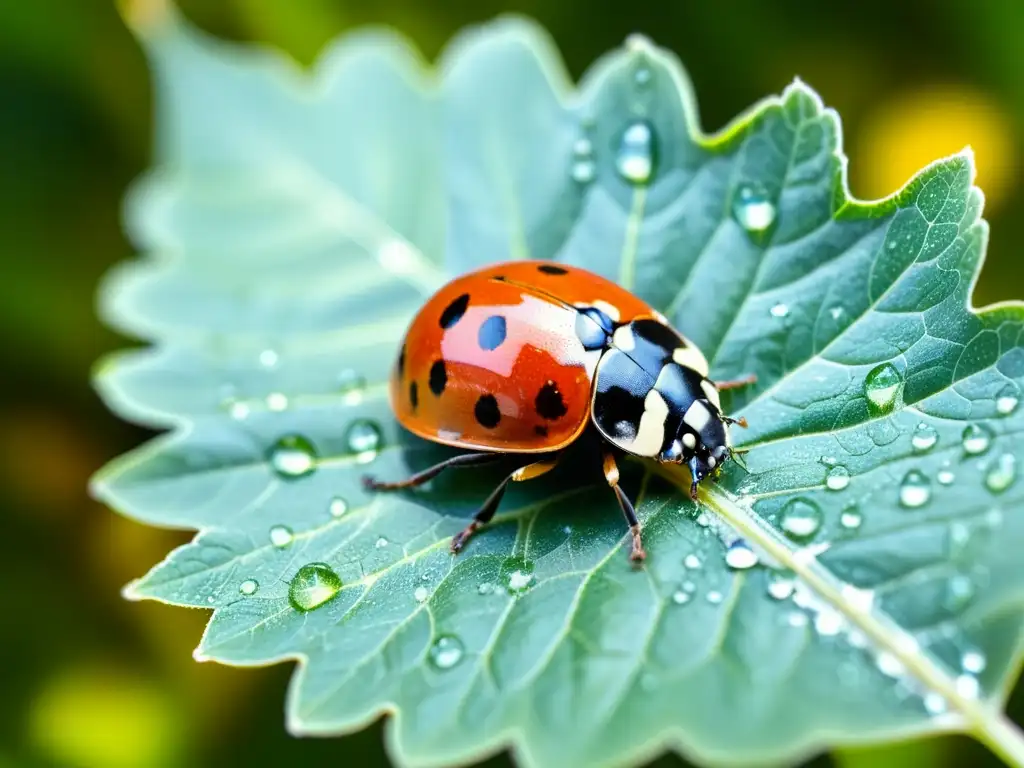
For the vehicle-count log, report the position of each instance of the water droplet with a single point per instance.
(967, 686)
(485, 588)
(915, 490)
(779, 310)
(934, 703)
(945, 477)
(312, 586)
(714, 597)
(689, 586)
(924, 438)
(446, 652)
(210, 599)
(276, 401)
(268, 358)
(1002, 473)
(642, 76)
(239, 410)
(249, 587)
(583, 171)
(637, 151)
(889, 665)
(420, 594)
(703, 519)
(976, 439)
(363, 438)
(381, 543)
(851, 518)
(680, 597)
(973, 662)
(836, 312)
(752, 209)
(292, 456)
(781, 586)
(797, 619)
(739, 556)
(517, 574)
(337, 507)
(351, 385)
(837, 478)
(692, 562)
(801, 519)
(828, 622)
(281, 536)
(1007, 399)
(883, 387)
(960, 591)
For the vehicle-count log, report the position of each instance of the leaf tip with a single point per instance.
(200, 656)
(130, 591)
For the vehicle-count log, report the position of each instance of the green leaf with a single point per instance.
(295, 221)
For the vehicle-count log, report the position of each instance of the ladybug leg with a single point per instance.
(611, 474)
(464, 460)
(743, 381)
(487, 510)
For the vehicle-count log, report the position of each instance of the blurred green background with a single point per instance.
(91, 680)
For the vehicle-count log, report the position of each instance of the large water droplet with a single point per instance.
(781, 585)
(973, 662)
(883, 387)
(915, 489)
(924, 438)
(851, 518)
(312, 586)
(838, 478)
(249, 587)
(292, 456)
(351, 385)
(517, 575)
(1002, 473)
(281, 536)
(637, 153)
(363, 438)
(1007, 399)
(337, 507)
(753, 209)
(976, 439)
(446, 652)
(420, 594)
(801, 519)
(739, 556)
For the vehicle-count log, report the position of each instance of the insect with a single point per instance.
(514, 361)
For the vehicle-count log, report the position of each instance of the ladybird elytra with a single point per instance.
(517, 359)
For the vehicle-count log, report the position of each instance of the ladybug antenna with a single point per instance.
(741, 421)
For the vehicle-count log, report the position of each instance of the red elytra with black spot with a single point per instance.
(493, 362)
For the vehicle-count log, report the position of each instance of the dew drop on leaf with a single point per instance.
(281, 536)
(363, 438)
(934, 703)
(838, 478)
(924, 438)
(642, 76)
(779, 310)
(714, 597)
(268, 358)
(889, 665)
(680, 597)
(277, 401)
(351, 385)
(249, 587)
(1002, 473)
(446, 651)
(516, 574)
(1007, 399)
(973, 662)
(635, 159)
(312, 586)
(485, 588)
(945, 477)
(692, 562)
(753, 209)
(915, 489)
(739, 556)
(960, 590)
(883, 387)
(976, 439)
(292, 456)
(801, 519)
(381, 542)
(583, 169)
(851, 518)
(781, 586)
(420, 594)
(337, 507)
(967, 686)
(239, 410)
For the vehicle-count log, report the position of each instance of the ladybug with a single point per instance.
(514, 361)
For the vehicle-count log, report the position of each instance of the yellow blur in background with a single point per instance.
(93, 681)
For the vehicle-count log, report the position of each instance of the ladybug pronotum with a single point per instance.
(516, 360)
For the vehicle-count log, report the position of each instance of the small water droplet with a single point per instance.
(753, 209)
(889, 665)
(420, 594)
(836, 312)
(239, 410)
(446, 652)
(249, 587)
(703, 519)
(517, 574)
(945, 477)
(312, 586)
(960, 591)
(714, 597)
(781, 586)
(976, 439)
(281, 536)
(828, 623)
(851, 518)
(642, 76)
(1002, 473)
(924, 438)
(692, 562)
(680, 597)
(837, 478)
(268, 358)
(797, 619)
(276, 401)
(337, 507)
(801, 519)
(1007, 399)
(210, 599)
(779, 310)
(381, 543)
(967, 686)
(915, 489)
(934, 703)
(351, 385)
(883, 387)
(739, 556)
(637, 152)
(973, 662)
(583, 171)
(292, 456)
(485, 588)
(363, 438)
(689, 586)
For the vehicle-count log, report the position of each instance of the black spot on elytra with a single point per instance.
(414, 395)
(454, 311)
(551, 269)
(438, 378)
(400, 367)
(486, 411)
(549, 403)
(491, 333)
(540, 430)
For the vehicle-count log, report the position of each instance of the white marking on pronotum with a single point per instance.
(711, 393)
(689, 440)
(609, 309)
(691, 357)
(623, 339)
(651, 432)
(697, 415)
